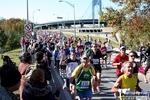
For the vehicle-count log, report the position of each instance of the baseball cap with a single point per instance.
(122, 47)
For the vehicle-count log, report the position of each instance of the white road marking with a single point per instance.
(107, 79)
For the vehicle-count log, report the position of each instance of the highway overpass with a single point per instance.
(67, 24)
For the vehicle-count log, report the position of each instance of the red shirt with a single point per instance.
(80, 48)
(103, 50)
(118, 59)
(23, 41)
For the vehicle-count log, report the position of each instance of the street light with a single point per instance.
(33, 16)
(72, 5)
(27, 14)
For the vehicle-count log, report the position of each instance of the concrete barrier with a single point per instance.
(64, 94)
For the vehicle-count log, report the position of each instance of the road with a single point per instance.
(107, 81)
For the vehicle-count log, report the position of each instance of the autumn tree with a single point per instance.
(11, 31)
(131, 19)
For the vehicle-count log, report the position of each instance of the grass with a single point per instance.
(13, 54)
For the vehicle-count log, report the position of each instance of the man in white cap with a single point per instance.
(119, 60)
(83, 75)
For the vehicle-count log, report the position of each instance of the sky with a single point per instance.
(49, 9)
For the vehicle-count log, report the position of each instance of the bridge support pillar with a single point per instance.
(82, 25)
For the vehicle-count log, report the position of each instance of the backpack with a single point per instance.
(30, 70)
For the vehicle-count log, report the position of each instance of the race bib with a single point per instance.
(95, 61)
(85, 84)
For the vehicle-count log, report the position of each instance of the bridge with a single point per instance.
(67, 24)
(81, 22)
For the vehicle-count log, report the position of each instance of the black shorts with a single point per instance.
(63, 67)
(104, 56)
(67, 82)
(108, 51)
(97, 68)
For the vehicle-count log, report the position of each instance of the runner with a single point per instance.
(136, 65)
(95, 56)
(62, 64)
(71, 63)
(128, 82)
(109, 51)
(119, 60)
(83, 75)
(103, 50)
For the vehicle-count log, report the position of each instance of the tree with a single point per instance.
(11, 31)
(132, 19)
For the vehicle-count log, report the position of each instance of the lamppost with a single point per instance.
(27, 14)
(72, 5)
(33, 17)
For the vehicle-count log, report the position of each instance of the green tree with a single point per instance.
(11, 31)
(132, 19)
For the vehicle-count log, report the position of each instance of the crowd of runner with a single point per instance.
(79, 62)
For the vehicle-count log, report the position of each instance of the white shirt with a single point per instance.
(109, 47)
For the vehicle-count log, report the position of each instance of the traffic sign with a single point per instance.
(28, 35)
(27, 27)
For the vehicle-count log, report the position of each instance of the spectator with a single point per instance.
(36, 89)
(22, 43)
(147, 54)
(40, 63)
(25, 62)
(8, 61)
(142, 50)
(10, 82)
